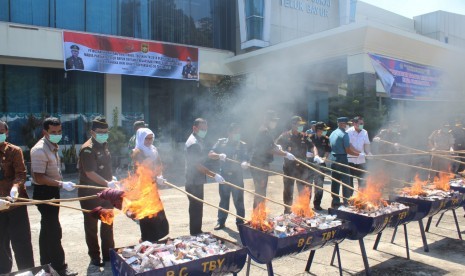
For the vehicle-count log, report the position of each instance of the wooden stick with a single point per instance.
(249, 191)
(35, 202)
(422, 151)
(332, 170)
(413, 166)
(290, 177)
(327, 175)
(365, 171)
(90, 187)
(203, 201)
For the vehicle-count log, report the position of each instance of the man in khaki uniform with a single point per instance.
(440, 140)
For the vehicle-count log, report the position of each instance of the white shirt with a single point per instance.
(358, 140)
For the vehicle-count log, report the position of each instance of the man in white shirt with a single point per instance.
(360, 142)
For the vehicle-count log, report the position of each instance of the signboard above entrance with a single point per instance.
(114, 55)
(315, 7)
(407, 80)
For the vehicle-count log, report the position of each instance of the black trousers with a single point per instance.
(361, 183)
(51, 250)
(195, 208)
(154, 228)
(260, 182)
(91, 228)
(299, 172)
(15, 229)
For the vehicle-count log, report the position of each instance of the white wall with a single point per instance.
(369, 12)
(442, 26)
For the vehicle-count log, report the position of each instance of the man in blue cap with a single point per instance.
(340, 147)
(312, 129)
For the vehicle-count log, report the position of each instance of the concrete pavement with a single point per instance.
(446, 256)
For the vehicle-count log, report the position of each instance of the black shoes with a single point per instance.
(219, 226)
(317, 207)
(67, 272)
(97, 262)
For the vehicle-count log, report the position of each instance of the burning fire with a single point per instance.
(301, 206)
(442, 183)
(141, 198)
(259, 218)
(417, 187)
(107, 216)
(369, 198)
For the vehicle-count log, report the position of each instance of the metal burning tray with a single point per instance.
(264, 247)
(425, 208)
(230, 262)
(361, 225)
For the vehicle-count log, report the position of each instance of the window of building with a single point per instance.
(254, 16)
(32, 12)
(74, 98)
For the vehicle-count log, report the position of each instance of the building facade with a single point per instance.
(294, 54)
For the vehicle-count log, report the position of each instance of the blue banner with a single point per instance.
(407, 80)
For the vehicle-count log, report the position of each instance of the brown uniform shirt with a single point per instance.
(96, 157)
(12, 169)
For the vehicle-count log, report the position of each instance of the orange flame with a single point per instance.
(107, 216)
(301, 206)
(369, 198)
(442, 183)
(417, 187)
(141, 197)
(259, 218)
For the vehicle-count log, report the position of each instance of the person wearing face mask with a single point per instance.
(298, 144)
(390, 134)
(263, 150)
(321, 142)
(146, 154)
(47, 180)
(340, 147)
(196, 173)
(14, 221)
(360, 143)
(231, 147)
(95, 170)
(440, 140)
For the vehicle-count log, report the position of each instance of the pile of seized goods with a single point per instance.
(370, 209)
(457, 184)
(440, 189)
(148, 256)
(290, 224)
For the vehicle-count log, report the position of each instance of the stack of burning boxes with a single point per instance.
(148, 256)
(374, 210)
(290, 224)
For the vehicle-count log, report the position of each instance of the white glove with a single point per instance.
(245, 165)
(4, 204)
(318, 160)
(14, 193)
(377, 139)
(219, 178)
(160, 180)
(67, 185)
(396, 146)
(222, 156)
(309, 154)
(362, 154)
(279, 147)
(290, 156)
(113, 184)
(451, 149)
(114, 178)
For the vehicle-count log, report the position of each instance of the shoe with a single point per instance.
(335, 205)
(97, 262)
(219, 226)
(317, 207)
(67, 272)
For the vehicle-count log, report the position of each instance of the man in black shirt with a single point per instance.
(295, 142)
(321, 142)
(262, 154)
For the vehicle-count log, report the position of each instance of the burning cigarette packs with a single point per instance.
(428, 194)
(457, 183)
(148, 256)
(373, 210)
(290, 224)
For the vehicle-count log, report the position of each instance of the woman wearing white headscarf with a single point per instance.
(157, 227)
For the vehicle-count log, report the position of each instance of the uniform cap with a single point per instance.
(188, 58)
(74, 47)
(313, 122)
(342, 120)
(321, 126)
(99, 122)
(297, 120)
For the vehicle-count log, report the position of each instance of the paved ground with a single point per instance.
(446, 256)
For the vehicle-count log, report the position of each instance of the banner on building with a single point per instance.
(114, 55)
(407, 80)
